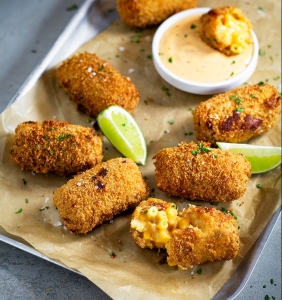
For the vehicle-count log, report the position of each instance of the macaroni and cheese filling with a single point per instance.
(155, 223)
(192, 236)
(226, 29)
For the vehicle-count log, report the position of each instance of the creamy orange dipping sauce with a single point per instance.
(184, 53)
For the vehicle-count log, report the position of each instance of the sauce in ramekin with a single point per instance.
(184, 53)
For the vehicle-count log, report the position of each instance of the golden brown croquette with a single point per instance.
(192, 236)
(94, 84)
(198, 172)
(237, 115)
(55, 146)
(98, 194)
(226, 29)
(144, 13)
(206, 235)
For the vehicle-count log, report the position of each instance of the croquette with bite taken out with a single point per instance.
(192, 236)
(226, 29)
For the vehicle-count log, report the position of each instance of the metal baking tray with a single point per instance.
(93, 17)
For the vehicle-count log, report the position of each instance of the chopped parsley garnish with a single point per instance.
(258, 185)
(46, 137)
(26, 200)
(19, 211)
(261, 53)
(252, 96)
(188, 133)
(112, 254)
(170, 60)
(170, 122)
(199, 271)
(166, 90)
(191, 109)
(64, 136)
(214, 156)
(239, 109)
(149, 56)
(237, 99)
(72, 7)
(24, 181)
(193, 26)
(201, 149)
(232, 74)
(233, 62)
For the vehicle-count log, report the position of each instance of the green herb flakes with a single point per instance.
(258, 185)
(188, 133)
(19, 211)
(112, 254)
(193, 26)
(26, 200)
(72, 7)
(261, 52)
(170, 60)
(170, 122)
(200, 271)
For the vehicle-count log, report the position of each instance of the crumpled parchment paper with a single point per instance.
(135, 272)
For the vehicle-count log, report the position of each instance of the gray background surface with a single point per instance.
(28, 29)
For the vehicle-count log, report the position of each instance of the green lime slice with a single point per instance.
(123, 132)
(262, 158)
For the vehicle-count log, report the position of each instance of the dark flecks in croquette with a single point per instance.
(251, 123)
(103, 172)
(227, 125)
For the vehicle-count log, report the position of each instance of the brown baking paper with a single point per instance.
(135, 272)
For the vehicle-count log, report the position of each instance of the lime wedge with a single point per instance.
(262, 158)
(123, 132)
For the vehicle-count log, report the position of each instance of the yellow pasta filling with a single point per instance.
(157, 225)
(235, 32)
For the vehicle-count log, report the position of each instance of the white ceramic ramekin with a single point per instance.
(200, 88)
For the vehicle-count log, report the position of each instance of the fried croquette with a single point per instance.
(94, 84)
(192, 236)
(144, 13)
(98, 194)
(198, 172)
(226, 29)
(237, 115)
(55, 146)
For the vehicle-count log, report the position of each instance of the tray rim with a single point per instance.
(229, 290)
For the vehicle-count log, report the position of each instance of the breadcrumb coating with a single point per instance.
(198, 172)
(192, 236)
(210, 235)
(97, 195)
(226, 29)
(144, 13)
(237, 115)
(55, 146)
(94, 84)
